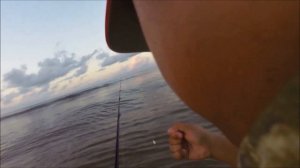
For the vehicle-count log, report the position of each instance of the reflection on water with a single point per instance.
(80, 130)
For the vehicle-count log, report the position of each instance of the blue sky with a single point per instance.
(53, 48)
(32, 30)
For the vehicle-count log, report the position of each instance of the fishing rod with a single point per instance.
(118, 130)
(185, 144)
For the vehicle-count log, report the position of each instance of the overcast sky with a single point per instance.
(54, 48)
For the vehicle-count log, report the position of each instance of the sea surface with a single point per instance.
(80, 130)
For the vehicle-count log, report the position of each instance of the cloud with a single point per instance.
(65, 74)
(49, 70)
(82, 70)
(109, 60)
(83, 64)
(8, 98)
(102, 55)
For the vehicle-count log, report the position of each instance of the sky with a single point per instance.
(54, 48)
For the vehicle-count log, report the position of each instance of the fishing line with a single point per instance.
(118, 130)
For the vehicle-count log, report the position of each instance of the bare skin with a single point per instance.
(226, 60)
(202, 144)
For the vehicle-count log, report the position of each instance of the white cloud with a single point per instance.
(64, 74)
(109, 60)
(49, 70)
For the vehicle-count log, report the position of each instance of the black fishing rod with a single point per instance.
(118, 130)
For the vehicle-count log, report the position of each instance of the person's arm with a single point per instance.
(189, 141)
(223, 149)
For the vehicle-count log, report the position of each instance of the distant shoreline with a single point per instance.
(76, 94)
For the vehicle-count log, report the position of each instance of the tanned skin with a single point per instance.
(201, 144)
(227, 60)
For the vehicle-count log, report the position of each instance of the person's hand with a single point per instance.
(188, 141)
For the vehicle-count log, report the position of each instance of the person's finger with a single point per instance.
(175, 138)
(184, 153)
(180, 127)
(175, 148)
(172, 131)
(177, 155)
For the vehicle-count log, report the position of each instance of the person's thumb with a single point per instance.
(181, 127)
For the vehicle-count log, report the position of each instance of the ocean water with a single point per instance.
(80, 130)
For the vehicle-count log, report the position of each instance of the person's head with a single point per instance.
(225, 59)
